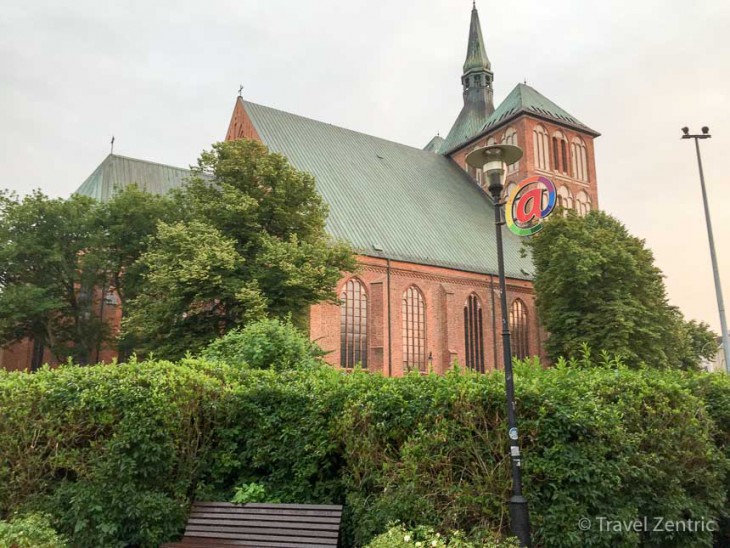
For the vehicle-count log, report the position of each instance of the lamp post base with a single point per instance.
(520, 519)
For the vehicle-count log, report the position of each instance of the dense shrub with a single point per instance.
(114, 454)
(265, 344)
(111, 452)
(29, 531)
(399, 536)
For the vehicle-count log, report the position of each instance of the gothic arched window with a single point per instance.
(582, 203)
(414, 330)
(565, 198)
(560, 152)
(541, 145)
(474, 333)
(519, 328)
(510, 138)
(353, 325)
(580, 159)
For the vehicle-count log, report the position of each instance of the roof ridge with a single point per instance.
(332, 125)
(145, 162)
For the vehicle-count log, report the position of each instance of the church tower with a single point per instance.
(555, 143)
(476, 80)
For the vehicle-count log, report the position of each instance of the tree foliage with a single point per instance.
(596, 284)
(192, 290)
(47, 281)
(244, 239)
(266, 344)
(251, 242)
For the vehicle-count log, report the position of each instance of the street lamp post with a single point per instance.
(715, 270)
(492, 160)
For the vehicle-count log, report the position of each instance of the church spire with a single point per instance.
(476, 53)
(477, 83)
(477, 77)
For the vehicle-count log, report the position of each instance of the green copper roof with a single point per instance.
(392, 200)
(435, 144)
(116, 172)
(476, 54)
(523, 99)
(470, 122)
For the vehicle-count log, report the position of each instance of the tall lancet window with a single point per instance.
(560, 152)
(540, 141)
(580, 159)
(474, 333)
(582, 203)
(565, 198)
(510, 138)
(414, 330)
(519, 329)
(353, 325)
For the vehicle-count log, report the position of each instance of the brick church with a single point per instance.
(423, 227)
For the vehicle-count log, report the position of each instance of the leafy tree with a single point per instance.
(596, 284)
(46, 280)
(192, 291)
(123, 228)
(251, 242)
(699, 342)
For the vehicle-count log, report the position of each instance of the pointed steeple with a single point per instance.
(476, 53)
(477, 83)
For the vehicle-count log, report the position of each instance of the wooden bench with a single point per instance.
(261, 525)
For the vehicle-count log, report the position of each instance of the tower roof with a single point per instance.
(523, 99)
(476, 53)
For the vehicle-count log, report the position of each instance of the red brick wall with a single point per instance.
(524, 125)
(19, 356)
(445, 292)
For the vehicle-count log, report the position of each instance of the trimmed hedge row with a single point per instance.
(115, 454)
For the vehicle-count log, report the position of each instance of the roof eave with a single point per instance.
(510, 119)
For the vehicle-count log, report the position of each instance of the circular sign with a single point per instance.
(513, 433)
(531, 202)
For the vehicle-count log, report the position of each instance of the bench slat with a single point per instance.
(267, 517)
(334, 526)
(301, 540)
(271, 506)
(191, 543)
(269, 512)
(271, 529)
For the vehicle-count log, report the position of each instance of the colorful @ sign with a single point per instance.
(523, 211)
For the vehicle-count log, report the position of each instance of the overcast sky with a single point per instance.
(162, 77)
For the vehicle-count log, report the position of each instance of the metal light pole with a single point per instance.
(715, 271)
(492, 160)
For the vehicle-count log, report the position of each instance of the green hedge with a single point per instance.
(115, 454)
